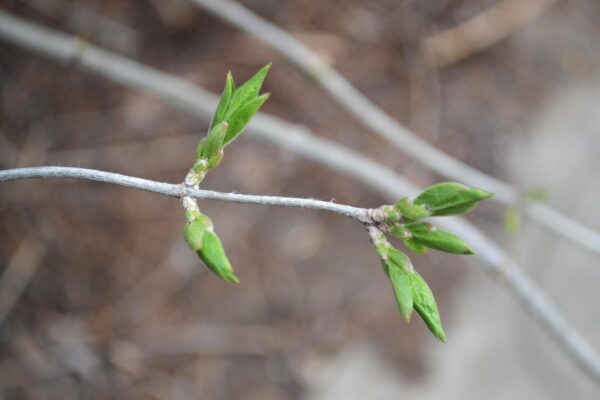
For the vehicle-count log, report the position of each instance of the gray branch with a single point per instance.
(180, 190)
(374, 118)
(299, 140)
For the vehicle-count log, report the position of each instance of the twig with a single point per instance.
(169, 189)
(374, 118)
(482, 31)
(299, 140)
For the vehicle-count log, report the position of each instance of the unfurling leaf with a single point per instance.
(214, 141)
(234, 111)
(451, 198)
(247, 92)
(382, 250)
(240, 118)
(392, 215)
(194, 233)
(213, 256)
(410, 211)
(402, 285)
(200, 238)
(433, 238)
(224, 101)
(400, 260)
(215, 159)
(415, 246)
(424, 304)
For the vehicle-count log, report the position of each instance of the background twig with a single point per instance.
(482, 31)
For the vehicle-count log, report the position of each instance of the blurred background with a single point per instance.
(100, 297)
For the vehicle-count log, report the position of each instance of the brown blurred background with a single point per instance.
(113, 304)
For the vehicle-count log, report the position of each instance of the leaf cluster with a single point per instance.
(235, 109)
(403, 221)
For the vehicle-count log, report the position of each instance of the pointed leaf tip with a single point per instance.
(224, 102)
(214, 257)
(247, 91)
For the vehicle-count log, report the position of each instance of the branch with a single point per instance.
(299, 140)
(374, 118)
(179, 190)
(482, 31)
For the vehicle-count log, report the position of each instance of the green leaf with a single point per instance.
(400, 232)
(200, 149)
(433, 238)
(402, 285)
(241, 117)
(456, 210)
(215, 140)
(410, 211)
(247, 92)
(382, 250)
(193, 233)
(215, 159)
(415, 245)
(399, 259)
(392, 215)
(424, 304)
(213, 256)
(224, 102)
(450, 198)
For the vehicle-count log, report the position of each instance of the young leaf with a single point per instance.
(214, 141)
(424, 304)
(200, 149)
(400, 232)
(213, 256)
(193, 232)
(451, 198)
(392, 215)
(402, 285)
(400, 260)
(456, 210)
(410, 211)
(224, 101)
(382, 250)
(241, 117)
(247, 92)
(415, 245)
(433, 238)
(215, 159)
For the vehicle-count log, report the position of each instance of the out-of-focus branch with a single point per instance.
(374, 118)
(200, 103)
(18, 273)
(482, 31)
(84, 20)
